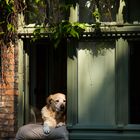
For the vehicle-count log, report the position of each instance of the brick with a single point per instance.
(10, 79)
(7, 98)
(10, 92)
(7, 116)
(9, 73)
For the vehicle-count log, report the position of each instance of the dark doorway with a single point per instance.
(134, 84)
(48, 71)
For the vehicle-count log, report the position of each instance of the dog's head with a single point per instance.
(57, 102)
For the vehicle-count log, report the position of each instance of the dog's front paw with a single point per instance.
(46, 128)
(60, 124)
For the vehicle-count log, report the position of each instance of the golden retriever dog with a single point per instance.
(53, 114)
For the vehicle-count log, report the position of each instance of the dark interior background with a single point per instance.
(134, 84)
(49, 66)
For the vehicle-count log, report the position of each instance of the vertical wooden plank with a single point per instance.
(122, 81)
(74, 13)
(120, 16)
(72, 83)
(20, 84)
(26, 84)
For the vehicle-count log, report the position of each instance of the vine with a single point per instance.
(9, 10)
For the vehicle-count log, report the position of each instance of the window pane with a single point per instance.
(133, 10)
(107, 10)
(134, 95)
(35, 11)
(42, 11)
(96, 83)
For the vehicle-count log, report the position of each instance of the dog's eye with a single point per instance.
(56, 100)
(64, 100)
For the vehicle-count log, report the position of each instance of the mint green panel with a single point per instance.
(96, 83)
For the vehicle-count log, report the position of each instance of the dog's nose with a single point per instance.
(62, 107)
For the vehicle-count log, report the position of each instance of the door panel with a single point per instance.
(96, 83)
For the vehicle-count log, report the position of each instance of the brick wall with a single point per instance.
(8, 91)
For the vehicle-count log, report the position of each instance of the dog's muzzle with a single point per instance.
(62, 107)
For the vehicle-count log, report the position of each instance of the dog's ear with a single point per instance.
(48, 101)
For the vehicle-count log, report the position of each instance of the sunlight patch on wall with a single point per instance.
(96, 85)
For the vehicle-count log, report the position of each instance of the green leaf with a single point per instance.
(7, 2)
(10, 27)
(37, 1)
(1, 33)
(73, 33)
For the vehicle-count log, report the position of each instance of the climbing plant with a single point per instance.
(9, 10)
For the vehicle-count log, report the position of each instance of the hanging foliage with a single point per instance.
(9, 10)
(66, 29)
